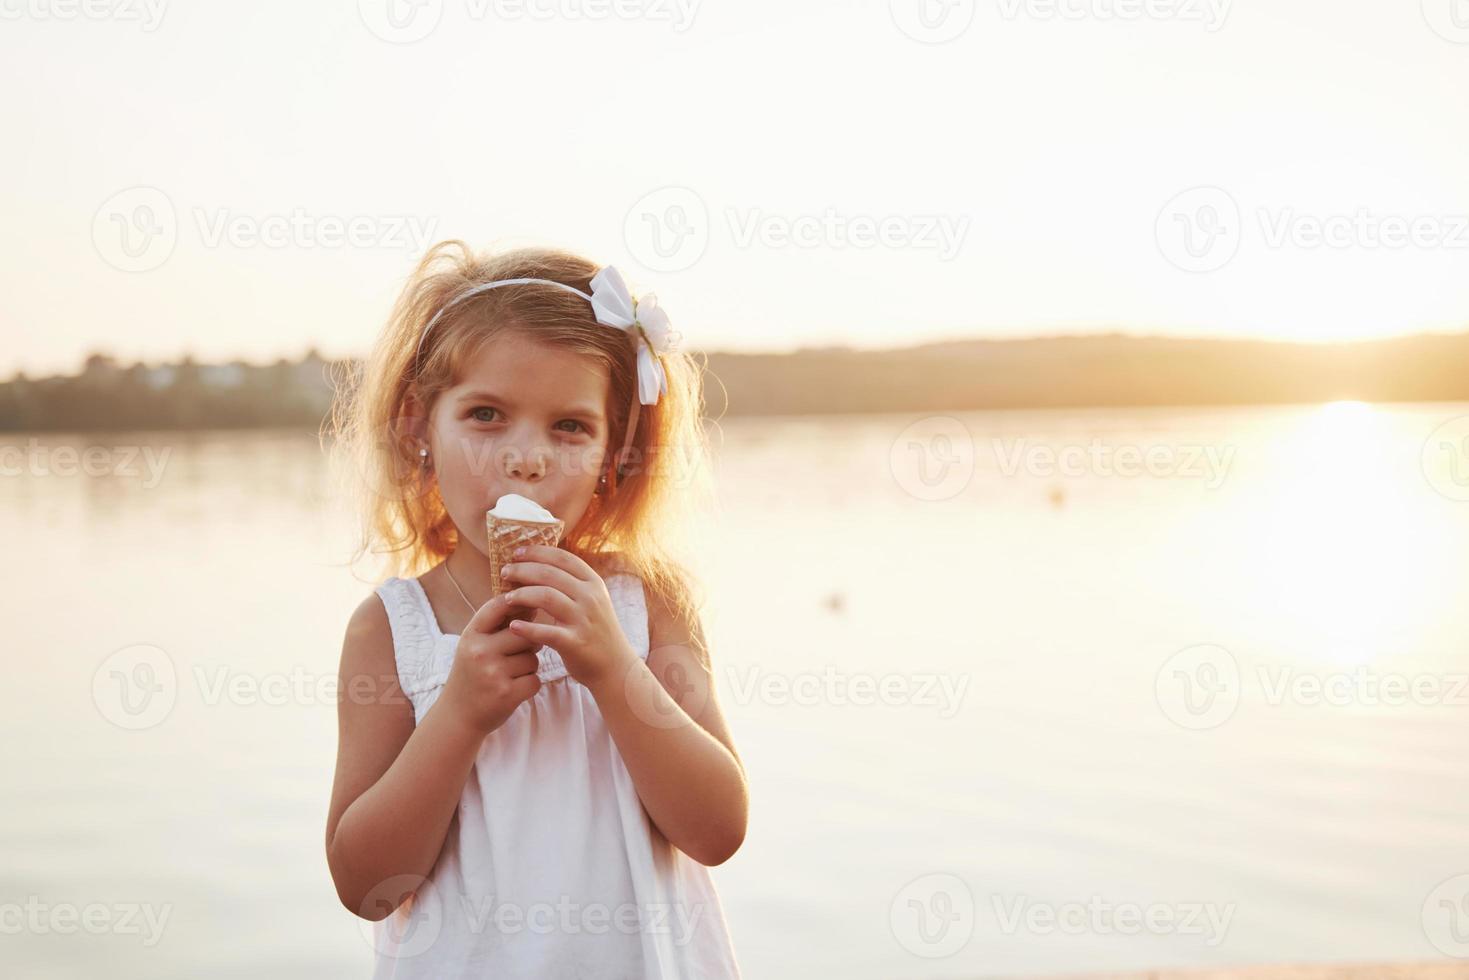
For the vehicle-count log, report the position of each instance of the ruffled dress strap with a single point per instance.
(416, 637)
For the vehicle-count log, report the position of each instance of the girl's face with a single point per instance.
(526, 418)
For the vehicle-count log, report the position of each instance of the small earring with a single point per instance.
(423, 455)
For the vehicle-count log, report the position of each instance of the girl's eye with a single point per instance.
(477, 415)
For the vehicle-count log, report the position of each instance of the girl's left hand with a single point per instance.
(585, 630)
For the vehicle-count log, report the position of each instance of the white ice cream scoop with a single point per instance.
(514, 507)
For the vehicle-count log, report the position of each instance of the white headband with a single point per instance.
(614, 306)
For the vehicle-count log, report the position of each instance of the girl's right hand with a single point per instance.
(494, 670)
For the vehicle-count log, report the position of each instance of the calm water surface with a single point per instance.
(991, 690)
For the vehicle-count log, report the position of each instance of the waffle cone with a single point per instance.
(506, 535)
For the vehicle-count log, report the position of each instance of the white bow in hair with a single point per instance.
(613, 306)
(616, 307)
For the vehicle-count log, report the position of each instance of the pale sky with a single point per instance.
(1025, 173)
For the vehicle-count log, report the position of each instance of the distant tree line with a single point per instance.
(181, 395)
(1047, 372)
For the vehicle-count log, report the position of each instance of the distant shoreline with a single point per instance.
(1075, 372)
(15, 436)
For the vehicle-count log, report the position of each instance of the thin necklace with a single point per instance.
(472, 607)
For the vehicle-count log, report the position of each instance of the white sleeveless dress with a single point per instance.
(552, 868)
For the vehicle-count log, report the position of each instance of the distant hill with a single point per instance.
(1091, 370)
(1050, 372)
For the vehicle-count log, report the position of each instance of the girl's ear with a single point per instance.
(413, 422)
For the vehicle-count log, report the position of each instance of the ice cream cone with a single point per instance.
(505, 535)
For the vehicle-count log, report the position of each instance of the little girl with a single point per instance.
(534, 784)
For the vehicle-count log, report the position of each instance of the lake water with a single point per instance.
(999, 694)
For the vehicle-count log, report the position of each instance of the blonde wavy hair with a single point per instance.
(635, 525)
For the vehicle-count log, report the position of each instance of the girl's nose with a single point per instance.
(525, 465)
